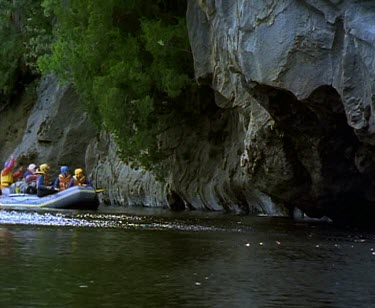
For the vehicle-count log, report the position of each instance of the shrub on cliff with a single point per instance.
(25, 35)
(130, 61)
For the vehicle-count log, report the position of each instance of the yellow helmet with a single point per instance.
(44, 168)
(78, 171)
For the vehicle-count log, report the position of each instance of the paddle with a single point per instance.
(99, 190)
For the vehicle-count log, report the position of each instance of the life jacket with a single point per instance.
(79, 182)
(64, 181)
(45, 179)
(6, 180)
(31, 178)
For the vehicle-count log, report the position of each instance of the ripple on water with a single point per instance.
(93, 220)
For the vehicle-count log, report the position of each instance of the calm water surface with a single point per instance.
(163, 259)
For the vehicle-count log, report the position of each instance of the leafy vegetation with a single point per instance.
(25, 35)
(130, 61)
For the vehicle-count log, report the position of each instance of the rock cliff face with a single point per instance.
(287, 120)
(308, 67)
(53, 129)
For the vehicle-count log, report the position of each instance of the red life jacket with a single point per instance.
(64, 181)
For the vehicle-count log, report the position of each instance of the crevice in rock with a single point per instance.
(175, 202)
(321, 148)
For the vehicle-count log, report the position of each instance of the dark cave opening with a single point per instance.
(331, 184)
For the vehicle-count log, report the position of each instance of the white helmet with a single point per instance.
(31, 167)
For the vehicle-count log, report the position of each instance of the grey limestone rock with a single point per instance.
(309, 66)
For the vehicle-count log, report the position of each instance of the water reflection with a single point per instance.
(6, 242)
(66, 259)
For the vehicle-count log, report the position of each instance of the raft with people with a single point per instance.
(36, 189)
(76, 197)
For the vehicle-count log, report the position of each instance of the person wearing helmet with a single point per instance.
(29, 174)
(63, 180)
(43, 185)
(7, 175)
(79, 179)
(28, 181)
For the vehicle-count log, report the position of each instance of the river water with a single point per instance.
(155, 258)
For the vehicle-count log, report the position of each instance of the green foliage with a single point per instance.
(9, 57)
(131, 63)
(9, 51)
(167, 45)
(36, 34)
(129, 60)
(25, 35)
